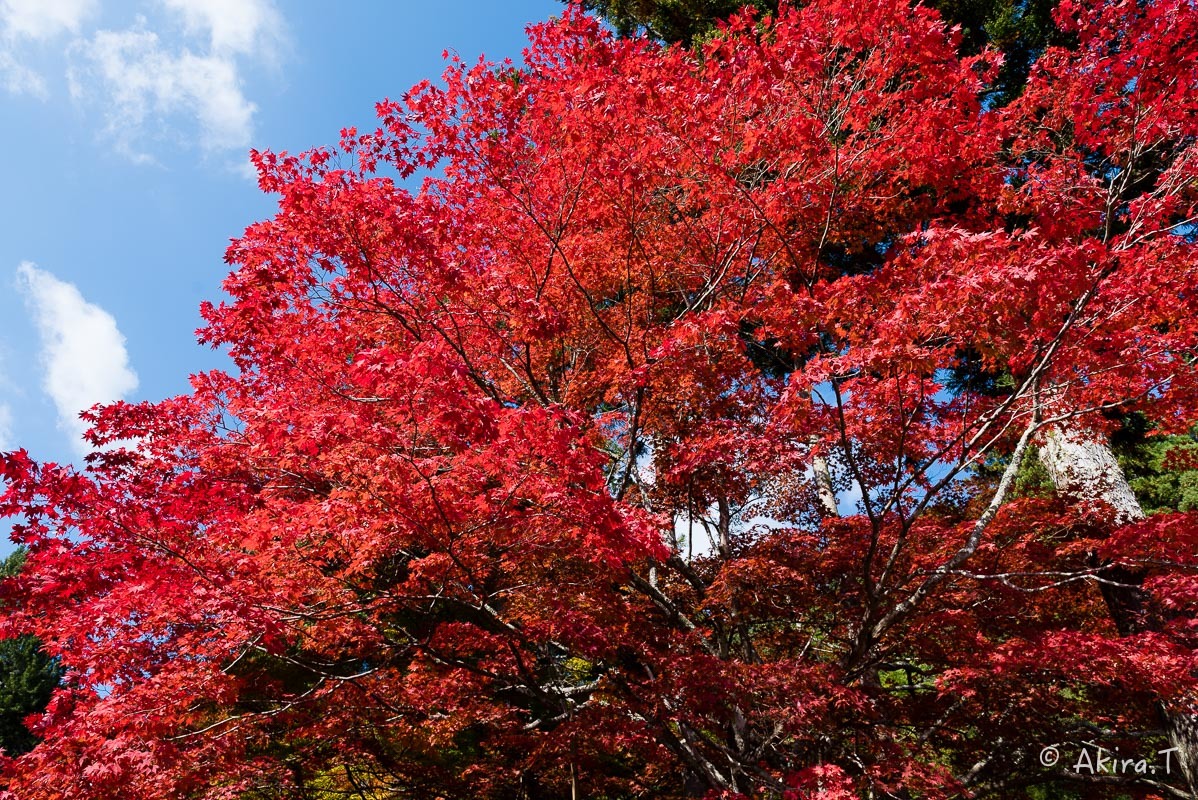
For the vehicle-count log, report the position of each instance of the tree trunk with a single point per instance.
(824, 489)
(1083, 468)
(823, 486)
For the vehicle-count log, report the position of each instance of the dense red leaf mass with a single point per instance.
(515, 489)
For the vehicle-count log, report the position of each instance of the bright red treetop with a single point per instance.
(527, 483)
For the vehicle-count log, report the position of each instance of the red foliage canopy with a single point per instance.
(517, 486)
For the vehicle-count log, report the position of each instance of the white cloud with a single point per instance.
(82, 350)
(246, 27)
(161, 82)
(6, 442)
(44, 19)
(6, 437)
(37, 20)
(146, 88)
(18, 78)
(175, 75)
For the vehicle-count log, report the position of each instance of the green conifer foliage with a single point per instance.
(27, 677)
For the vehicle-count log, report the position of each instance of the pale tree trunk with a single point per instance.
(823, 482)
(1086, 470)
(823, 486)
(1083, 468)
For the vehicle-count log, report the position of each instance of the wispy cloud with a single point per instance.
(174, 75)
(148, 89)
(82, 351)
(180, 79)
(6, 415)
(43, 19)
(18, 78)
(232, 27)
(6, 442)
(34, 20)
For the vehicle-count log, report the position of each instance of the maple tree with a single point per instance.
(671, 438)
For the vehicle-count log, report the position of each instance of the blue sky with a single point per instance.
(125, 132)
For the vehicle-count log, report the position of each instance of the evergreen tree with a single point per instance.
(27, 677)
(1019, 29)
(1162, 470)
(671, 21)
